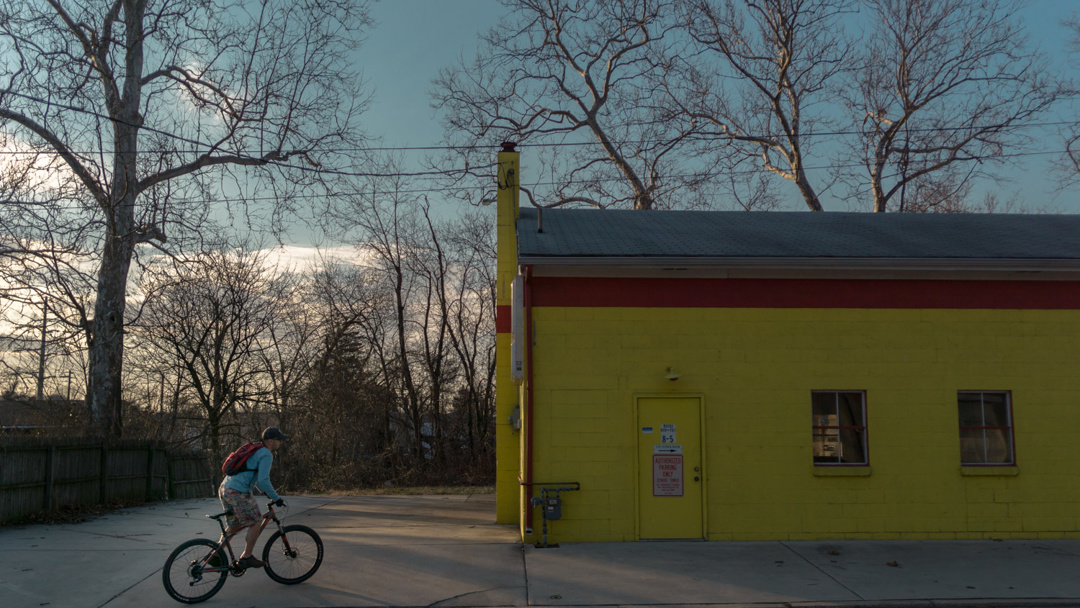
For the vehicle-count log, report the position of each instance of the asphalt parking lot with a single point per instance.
(445, 551)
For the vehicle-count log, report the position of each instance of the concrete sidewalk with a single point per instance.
(444, 550)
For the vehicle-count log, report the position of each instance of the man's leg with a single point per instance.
(230, 532)
(246, 512)
(252, 537)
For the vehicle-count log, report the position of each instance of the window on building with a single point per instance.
(986, 435)
(839, 428)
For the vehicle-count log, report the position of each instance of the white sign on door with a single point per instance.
(667, 474)
(667, 433)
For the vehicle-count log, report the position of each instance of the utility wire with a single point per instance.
(464, 189)
(212, 147)
(462, 147)
(444, 173)
(449, 147)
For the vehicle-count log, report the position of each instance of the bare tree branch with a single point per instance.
(943, 90)
(573, 72)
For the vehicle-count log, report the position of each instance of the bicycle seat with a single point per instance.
(220, 515)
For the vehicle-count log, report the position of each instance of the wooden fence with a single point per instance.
(46, 475)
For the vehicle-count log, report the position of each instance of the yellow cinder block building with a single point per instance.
(794, 376)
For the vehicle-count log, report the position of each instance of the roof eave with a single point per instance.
(935, 264)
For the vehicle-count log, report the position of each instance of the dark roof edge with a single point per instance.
(995, 264)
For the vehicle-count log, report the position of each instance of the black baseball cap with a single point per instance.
(274, 433)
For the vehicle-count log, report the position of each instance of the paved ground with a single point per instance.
(444, 551)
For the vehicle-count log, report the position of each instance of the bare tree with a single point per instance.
(45, 293)
(428, 321)
(582, 76)
(431, 264)
(761, 72)
(1068, 166)
(288, 346)
(471, 322)
(380, 219)
(943, 91)
(208, 320)
(148, 105)
(341, 414)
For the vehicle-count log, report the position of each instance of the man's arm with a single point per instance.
(263, 475)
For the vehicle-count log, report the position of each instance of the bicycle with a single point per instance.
(197, 569)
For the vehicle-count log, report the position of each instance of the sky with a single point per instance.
(413, 39)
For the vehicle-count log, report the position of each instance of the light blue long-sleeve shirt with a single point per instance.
(259, 475)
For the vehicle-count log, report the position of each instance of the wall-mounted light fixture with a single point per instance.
(672, 375)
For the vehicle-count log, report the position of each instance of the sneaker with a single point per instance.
(251, 562)
(215, 561)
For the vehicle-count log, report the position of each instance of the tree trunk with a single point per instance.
(107, 330)
(107, 327)
(876, 188)
(806, 189)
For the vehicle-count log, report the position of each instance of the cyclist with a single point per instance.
(236, 495)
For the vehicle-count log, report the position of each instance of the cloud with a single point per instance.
(300, 258)
(31, 169)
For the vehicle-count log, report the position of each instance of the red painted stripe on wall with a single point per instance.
(503, 324)
(804, 293)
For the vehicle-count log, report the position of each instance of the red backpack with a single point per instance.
(237, 461)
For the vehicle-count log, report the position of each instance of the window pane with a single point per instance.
(998, 450)
(824, 406)
(985, 428)
(971, 447)
(852, 446)
(970, 405)
(851, 409)
(996, 409)
(826, 445)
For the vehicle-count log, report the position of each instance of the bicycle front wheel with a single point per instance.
(185, 574)
(292, 554)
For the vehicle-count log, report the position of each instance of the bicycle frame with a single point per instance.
(224, 541)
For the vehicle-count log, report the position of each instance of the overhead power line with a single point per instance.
(207, 147)
(460, 172)
(462, 189)
(452, 147)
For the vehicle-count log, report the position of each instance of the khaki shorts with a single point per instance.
(245, 511)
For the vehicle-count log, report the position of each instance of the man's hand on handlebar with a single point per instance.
(279, 502)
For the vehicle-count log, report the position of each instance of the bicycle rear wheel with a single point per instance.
(185, 576)
(292, 554)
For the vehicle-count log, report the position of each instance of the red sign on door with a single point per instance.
(667, 475)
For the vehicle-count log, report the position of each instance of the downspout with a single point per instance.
(528, 398)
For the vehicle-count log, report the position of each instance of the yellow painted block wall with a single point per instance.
(755, 369)
(508, 459)
(507, 440)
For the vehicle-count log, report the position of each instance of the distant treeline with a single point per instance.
(380, 366)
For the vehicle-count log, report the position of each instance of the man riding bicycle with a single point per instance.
(236, 495)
